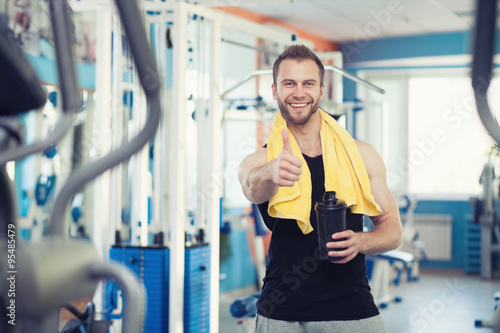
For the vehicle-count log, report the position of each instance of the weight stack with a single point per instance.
(197, 289)
(151, 264)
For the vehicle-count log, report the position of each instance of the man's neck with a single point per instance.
(308, 136)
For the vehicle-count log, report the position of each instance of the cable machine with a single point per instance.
(57, 269)
(174, 203)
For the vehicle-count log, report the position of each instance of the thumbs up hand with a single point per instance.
(287, 167)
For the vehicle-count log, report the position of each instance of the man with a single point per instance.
(301, 292)
(22, 16)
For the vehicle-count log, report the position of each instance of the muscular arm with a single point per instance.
(260, 180)
(255, 178)
(387, 231)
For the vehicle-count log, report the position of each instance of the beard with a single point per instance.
(297, 121)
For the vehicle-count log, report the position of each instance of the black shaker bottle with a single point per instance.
(331, 217)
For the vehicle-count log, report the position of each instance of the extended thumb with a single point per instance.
(286, 140)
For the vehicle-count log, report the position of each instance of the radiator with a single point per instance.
(435, 233)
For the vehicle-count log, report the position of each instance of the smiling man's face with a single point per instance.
(298, 90)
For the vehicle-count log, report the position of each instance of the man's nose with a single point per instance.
(299, 91)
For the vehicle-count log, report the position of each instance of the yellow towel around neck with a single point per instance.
(345, 173)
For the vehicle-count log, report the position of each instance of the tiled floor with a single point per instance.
(439, 302)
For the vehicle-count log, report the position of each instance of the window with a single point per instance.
(447, 143)
(428, 132)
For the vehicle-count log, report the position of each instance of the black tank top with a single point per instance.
(301, 287)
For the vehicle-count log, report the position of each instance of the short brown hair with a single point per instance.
(298, 52)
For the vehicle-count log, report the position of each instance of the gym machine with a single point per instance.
(40, 278)
(486, 216)
(482, 65)
(173, 248)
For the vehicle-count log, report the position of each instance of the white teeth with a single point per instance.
(298, 105)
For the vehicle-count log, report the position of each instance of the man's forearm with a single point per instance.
(258, 187)
(384, 237)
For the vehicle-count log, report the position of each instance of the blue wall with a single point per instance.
(444, 44)
(461, 212)
(46, 70)
(239, 269)
(407, 47)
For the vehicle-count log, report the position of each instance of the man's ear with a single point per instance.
(322, 94)
(275, 93)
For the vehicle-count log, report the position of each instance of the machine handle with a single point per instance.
(133, 290)
(482, 63)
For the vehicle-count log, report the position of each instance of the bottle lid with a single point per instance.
(331, 202)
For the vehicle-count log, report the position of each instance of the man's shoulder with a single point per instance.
(371, 158)
(364, 148)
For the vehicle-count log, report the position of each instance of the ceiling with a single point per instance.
(354, 20)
